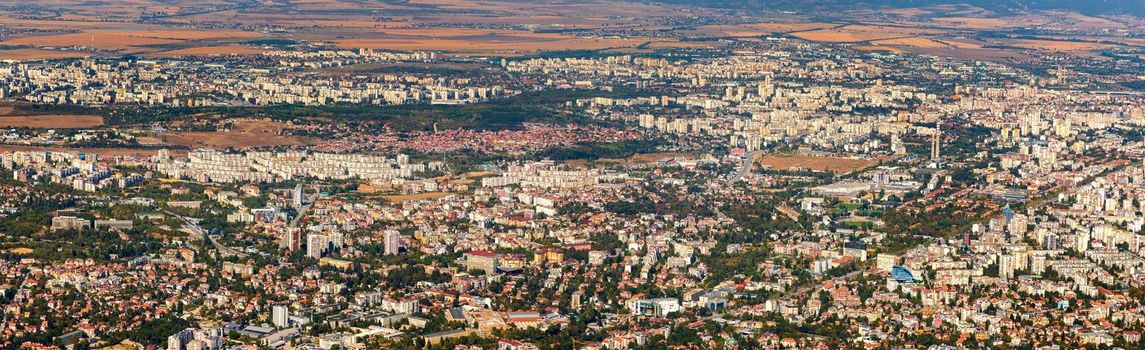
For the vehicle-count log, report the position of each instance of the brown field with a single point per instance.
(912, 42)
(1053, 45)
(860, 33)
(507, 44)
(679, 45)
(962, 43)
(367, 188)
(415, 197)
(909, 12)
(21, 251)
(758, 29)
(94, 39)
(975, 23)
(576, 9)
(125, 345)
(115, 26)
(1089, 22)
(178, 34)
(990, 23)
(210, 51)
(636, 159)
(100, 151)
(463, 39)
(52, 121)
(960, 48)
(881, 48)
(842, 165)
(842, 36)
(245, 133)
(971, 54)
(38, 54)
(648, 158)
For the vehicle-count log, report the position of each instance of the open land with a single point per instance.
(244, 133)
(510, 28)
(133, 152)
(52, 121)
(834, 164)
(415, 197)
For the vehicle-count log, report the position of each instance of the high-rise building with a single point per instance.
(886, 262)
(935, 142)
(297, 196)
(315, 245)
(1006, 266)
(1082, 241)
(291, 239)
(896, 145)
(280, 316)
(178, 341)
(393, 242)
(196, 339)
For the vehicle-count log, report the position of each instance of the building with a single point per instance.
(70, 223)
(196, 339)
(509, 344)
(936, 143)
(280, 316)
(297, 196)
(481, 260)
(654, 307)
(315, 245)
(114, 224)
(857, 249)
(291, 239)
(1006, 266)
(393, 242)
(886, 262)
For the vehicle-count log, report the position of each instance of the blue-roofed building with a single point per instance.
(902, 275)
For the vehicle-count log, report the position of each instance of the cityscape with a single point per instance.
(590, 174)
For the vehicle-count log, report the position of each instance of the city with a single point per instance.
(599, 174)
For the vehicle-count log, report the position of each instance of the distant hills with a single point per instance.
(1089, 7)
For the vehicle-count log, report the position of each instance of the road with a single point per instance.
(745, 168)
(4, 322)
(192, 226)
(793, 293)
(302, 211)
(815, 286)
